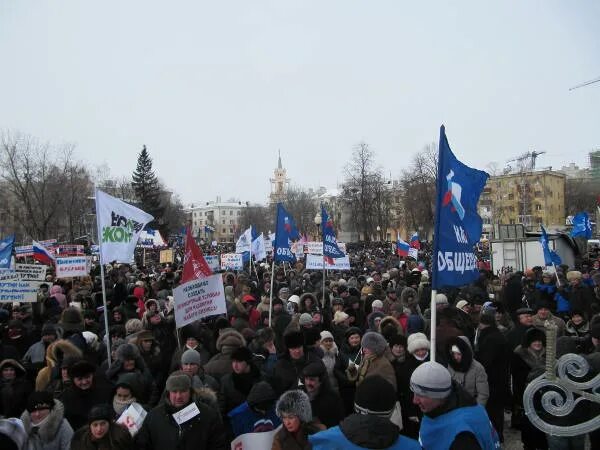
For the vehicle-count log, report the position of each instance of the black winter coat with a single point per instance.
(493, 353)
(327, 407)
(202, 432)
(288, 371)
(78, 403)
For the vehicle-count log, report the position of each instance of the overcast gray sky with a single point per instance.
(214, 89)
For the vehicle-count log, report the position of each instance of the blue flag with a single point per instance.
(457, 224)
(285, 232)
(6, 248)
(550, 256)
(582, 227)
(330, 246)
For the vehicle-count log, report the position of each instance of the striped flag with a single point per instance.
(402, 247)
(41, 254)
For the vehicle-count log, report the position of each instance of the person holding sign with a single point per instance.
(101, 432)
(180, 422)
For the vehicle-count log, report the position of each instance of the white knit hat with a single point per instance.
(431, 380)
(294, 299)
(377, 304)
(326, 335)
(417, 341)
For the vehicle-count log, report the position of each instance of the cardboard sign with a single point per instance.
(14, 289)
(232, 261)
(132, 418)
(72, 266)
(199, 298)
(31, 272)
(185, 414)
(316, 247)
(251, 441)
(166, 256)
(315, 262)
(214, 262)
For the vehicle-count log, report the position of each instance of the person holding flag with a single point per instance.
(402, 247)
(582, 227)
(414, 241)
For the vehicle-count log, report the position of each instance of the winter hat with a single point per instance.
(375, 396)
(374, 342)
(461, 304)
(40, 400)
(260, 394)
(294, 403)
(326, 335)
(417, 341)
(524, 311)
(337, 301)
(487, 319)
(339, 317)
(178, 381)
(315, 369)
(455, 349)
(133, 326)
(49, 329)
(377, 304)
(441, 299)
(311, 336)
(191, 356)
(101, 412)
(431, 380)
(294, 299)
(242, 354)
(352, 330)
(71, 319)
(305, 319)
(81, 368)
(12, 434)
(293, 339)
(532, 335)
(396, 339)
(573, 275)
(127, 351)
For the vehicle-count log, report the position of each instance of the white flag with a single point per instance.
(243, 243)
(258, 248)
(119, 228)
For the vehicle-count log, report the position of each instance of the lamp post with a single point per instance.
(379, 233)
(318, 223)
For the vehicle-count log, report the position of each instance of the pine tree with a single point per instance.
(147, 188)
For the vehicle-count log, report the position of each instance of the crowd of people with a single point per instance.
(341, 362)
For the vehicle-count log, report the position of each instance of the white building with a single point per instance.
(219, 221)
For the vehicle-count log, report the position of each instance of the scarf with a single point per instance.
(121, 405)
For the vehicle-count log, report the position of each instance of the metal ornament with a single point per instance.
(558, 392)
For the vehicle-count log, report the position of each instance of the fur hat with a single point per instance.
(40, 400)
(127, 351)
(230, 338)
(293, 339)
(133, 326)
(374, 342)
(375, 396)
(145, 335)
(191, 356)
(431, 380)
(81, 368)
(71, 319)
(573, 275)
(242, 354)
(339, 317)
(305, 319)
(533, 334)
(178, 381)
(101, 412)
(353, 330)
(294, 403)
(12, 433)
(417, 341)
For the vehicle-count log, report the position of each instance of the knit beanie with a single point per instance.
(431, 380)
(441, 299)
(101, 412)
(40, 400)
(377, 304)
(376, 396)
(294, 403)
(178, 381)
(352, 330)
(305, 319)
(191, 356)
(375, 342)
(326, 335)
(71, 319)
(417, 341)
(461, 304)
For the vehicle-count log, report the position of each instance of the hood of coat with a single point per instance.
(466, 351)
(49, 427)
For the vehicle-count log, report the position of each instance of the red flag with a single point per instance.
(194, 264)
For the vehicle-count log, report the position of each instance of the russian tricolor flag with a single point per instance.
(41, 254)
(414, 241)
(402, 247)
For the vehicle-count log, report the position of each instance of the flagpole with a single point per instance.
(556, 273)
(433, 324)
(323, 298)
(271, 290)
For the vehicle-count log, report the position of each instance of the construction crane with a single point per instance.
(522, 160)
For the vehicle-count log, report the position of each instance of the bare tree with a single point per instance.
(261, 217)
(581, 195)
(302, 204)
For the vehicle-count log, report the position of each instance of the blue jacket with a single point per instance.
(439, 433)
(334, 439)
(245, 420)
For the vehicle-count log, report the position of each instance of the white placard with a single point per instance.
(251, 441)
(214, 262)
(133, 418)
(185, 414)
(268, 245)
(413, 253)
(199, 298)
(232, 261)
(31, 272)
(315, 262)
(316, 247)
(14, 289)
(72, 266)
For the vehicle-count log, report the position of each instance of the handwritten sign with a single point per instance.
(31, 272)
(72, 266)
(132, 418)
(14, 289)
(213, 261)
(199, 298)
(232, 261)
(316, 247)
(315, 262)
(166, 256)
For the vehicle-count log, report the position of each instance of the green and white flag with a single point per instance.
(119, 228)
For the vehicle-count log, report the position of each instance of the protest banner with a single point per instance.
(31, 272)
(166, 256)
(70, 250)
(316, 247)
(214, 262)
(72, 266)
(250, 441)
(232, 261)
(199, 298)
(27, 250)
(315, 262)
(14, 289)
(268, 245)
